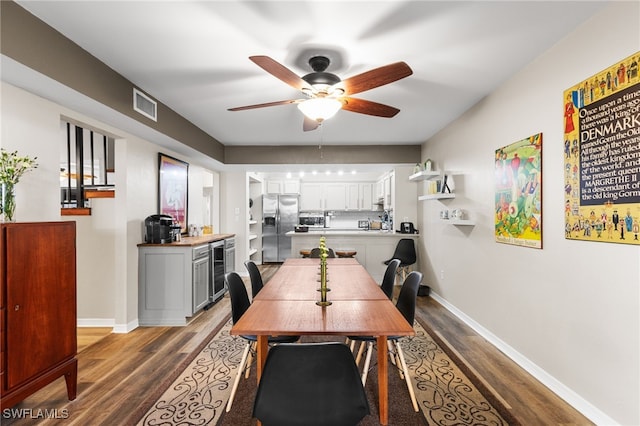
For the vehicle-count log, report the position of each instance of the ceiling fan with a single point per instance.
(327, 93)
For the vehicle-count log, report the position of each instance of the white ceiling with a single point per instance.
(193, 57)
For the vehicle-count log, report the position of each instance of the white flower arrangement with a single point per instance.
(12, 167)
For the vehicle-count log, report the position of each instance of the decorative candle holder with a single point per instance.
(323, 274)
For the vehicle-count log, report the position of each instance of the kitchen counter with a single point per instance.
(192, 241)
(177, 280)
(372, 247)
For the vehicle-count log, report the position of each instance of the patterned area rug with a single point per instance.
(448, 392)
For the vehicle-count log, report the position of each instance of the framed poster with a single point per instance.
(518, 193)
(602, 155)
(173, 189)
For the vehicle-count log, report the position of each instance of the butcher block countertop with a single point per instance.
(192, 241)
(350, 233)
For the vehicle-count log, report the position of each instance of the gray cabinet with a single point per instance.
(173, 284)
(200, 277)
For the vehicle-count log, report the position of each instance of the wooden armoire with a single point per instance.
(38, 342)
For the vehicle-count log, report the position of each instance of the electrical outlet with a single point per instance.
(442, 274)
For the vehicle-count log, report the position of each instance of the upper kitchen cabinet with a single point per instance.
(384, 190)
(283, 186)
(319, 196)
(311, 196)
(341, 196)
(335, 196)
(360, 196)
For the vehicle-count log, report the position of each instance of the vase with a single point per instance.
(7, 202)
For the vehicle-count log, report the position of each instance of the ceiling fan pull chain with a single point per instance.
(321, 139)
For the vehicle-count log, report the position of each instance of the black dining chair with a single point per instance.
(311, 384)
(406, 252)
(406, 304)
(388, 281)
(389, 278)
(255, 276)
(315, 253)
(239, 305)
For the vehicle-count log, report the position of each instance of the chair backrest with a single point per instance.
(315, 252)
(238, 294)
(406, 302)
(310, 384)
(405, 251)
(389, 278)
(255, 276)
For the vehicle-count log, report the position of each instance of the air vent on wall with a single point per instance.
(144, 105)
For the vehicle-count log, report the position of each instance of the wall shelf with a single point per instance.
(425, 175)
(461, 222)
(438, 196)
(99, 193)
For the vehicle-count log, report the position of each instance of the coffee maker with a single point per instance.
(159, 229)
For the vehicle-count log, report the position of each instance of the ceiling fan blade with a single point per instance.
(368, 107)
(376, 77)
(268, 104)
(280, 71)
(308, 124)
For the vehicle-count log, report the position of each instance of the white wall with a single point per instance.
(234, 213)
(569, 312)
(106, 246)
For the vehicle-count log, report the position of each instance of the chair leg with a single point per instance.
(367, 361)
(360, 351)
(352, 345)
(252, 348)
(236, 382)
(407, 379)
(392, 353)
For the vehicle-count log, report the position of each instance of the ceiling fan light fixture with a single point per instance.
(320, 109)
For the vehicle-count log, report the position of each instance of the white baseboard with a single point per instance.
(572, 398)
(107, 322)
(125, 328)
(95, 322)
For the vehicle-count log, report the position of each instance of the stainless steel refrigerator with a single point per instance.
(279, 216)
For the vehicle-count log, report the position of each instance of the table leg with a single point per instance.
(263, 347)
(383, 380)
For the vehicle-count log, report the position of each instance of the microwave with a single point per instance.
(311, 220)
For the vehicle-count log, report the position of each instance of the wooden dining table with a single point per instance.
(286, 305)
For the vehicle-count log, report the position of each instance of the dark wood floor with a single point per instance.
(117, 372)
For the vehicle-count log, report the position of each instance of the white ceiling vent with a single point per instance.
(145, 105)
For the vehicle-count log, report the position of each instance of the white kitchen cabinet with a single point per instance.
(365, 193)
(360, 195)
(311, 196)
(353, 196)
(379, 189)
(335, 196)
(291, 187)
(283, 186)
(274, 187)
(387, 201)
(319, 196)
